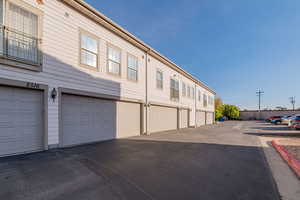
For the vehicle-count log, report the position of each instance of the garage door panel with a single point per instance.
(95, 120)
(129, 119)
(209, 118)
(184, 118)
(200, 118)
(162, 118)
(21, 120)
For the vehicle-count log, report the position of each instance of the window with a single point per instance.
(199, 95)
(183, 89)
(210, 100)
(114, 60)
(193, 93)
(204, 100)
(88, 51)
(159, 79)
(21, 33)
(189, 92)
(132, 68)
(174, 90)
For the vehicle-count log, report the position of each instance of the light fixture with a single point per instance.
(53, 94)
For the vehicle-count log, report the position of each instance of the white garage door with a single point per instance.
(209, 118)
(200, 118)
(184, 117)
(21, 121)
(162, 118)
(129, 119)
(87, 120)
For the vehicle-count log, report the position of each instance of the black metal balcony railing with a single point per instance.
(19, 46)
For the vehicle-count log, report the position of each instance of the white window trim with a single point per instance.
(83, 32)
(205, 100)
(184, 93)
(162, 81)
(137, 70)
(189, 91)
(178, 90)
(28, 7)
(40, 14)
(193, 93)
(107, 59)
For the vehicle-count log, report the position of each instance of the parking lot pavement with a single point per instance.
(213, 162)
(268, 129)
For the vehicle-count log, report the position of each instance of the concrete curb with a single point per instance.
(292, 162)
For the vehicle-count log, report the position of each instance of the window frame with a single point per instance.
(184, 92)
(162, 79)
(28, 7)
(193, 93)
(176, 99)
(205, 103)
(199, 95)
(188, 91)
(84, 32)
(107, 59)
(20, 63)
(137, 67)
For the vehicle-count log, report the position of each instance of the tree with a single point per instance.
(280, 108)
(231, 112)
(218, 108)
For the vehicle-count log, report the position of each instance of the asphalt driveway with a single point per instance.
(215, 162)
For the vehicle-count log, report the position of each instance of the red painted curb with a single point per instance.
(292, 162)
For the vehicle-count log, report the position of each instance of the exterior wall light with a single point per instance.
(53, 94)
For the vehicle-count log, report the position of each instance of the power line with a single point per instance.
(259, 94)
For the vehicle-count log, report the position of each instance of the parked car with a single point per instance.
(276, 120)
(295, 122)
(269, 119)
(285, 120)
(297, 126)
(290, 121)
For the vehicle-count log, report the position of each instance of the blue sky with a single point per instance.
(234, 46)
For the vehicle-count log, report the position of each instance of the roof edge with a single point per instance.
(95, 15)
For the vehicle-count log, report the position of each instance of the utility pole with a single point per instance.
(293, 101)
(259, 94)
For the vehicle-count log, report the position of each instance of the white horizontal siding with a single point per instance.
(61, 60)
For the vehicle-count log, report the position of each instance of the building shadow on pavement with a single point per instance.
(140, 169)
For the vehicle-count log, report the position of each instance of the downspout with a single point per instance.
(147, 98)
(195, 105)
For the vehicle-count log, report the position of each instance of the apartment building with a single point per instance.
(71, 76)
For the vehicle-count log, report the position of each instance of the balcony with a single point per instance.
(19, 47)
